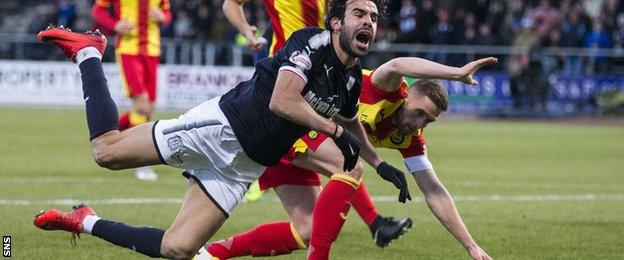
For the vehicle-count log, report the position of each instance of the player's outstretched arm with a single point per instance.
(233, 10)
(370, 155)
(389, 75)
(441, 204)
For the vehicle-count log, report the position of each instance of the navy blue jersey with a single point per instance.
(331, 90)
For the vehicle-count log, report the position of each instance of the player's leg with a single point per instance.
(333, 202)
(150, 66)
(332, 205)
(134, 73)
(297, 189)
(110, 148)
(200, 139)
(274, 238)
(383, 229)
(128, 149)
(198, 219)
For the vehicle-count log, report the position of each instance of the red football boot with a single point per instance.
(71, 42)
(53, 219)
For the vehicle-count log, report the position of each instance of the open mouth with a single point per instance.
(362, 39)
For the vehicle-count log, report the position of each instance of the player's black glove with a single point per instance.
(394, 175)
(349, 145)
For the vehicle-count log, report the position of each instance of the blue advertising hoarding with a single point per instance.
(568, 94)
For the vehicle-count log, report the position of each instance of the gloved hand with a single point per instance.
(349, 145)
(396, 176)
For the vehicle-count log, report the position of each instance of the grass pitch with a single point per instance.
(525, 191)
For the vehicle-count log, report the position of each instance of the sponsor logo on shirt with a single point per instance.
(323, 107)
(301, 60)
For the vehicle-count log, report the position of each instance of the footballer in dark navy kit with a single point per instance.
(225, 143)
(330, 89)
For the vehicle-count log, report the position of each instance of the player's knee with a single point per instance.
(177, 250)
(103, 156)
(106, 161)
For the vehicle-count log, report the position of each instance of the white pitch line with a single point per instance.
(273, 199)
(499, 184)
(537, 185)
(78, 180)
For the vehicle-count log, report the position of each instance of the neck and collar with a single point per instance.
(347, 60)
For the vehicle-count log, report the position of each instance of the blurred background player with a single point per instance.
(394, 117)
(136, 24)
(286, 17)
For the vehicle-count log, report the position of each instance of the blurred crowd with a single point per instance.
(530, 24)
(527, 24)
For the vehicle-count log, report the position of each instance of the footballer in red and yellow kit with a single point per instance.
(289, 16)
(137, 49)
(375, 112)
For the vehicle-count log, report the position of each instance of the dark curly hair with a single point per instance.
(337, 8)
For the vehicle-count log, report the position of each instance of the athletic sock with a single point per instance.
(145, 240)
(277, 238)
(130, 119)
(136, 118)
(100, 107)
(87, 53)
(330, 214)
(88, 222)
(363, 204)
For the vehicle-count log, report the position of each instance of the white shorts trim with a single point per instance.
(225, 193)
(417, 163)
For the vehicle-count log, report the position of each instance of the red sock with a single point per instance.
(329, 215)
(363, 204)
(277, 238)
(131, 119)
(124, 121)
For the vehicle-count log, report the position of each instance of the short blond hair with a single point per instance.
(434, 90)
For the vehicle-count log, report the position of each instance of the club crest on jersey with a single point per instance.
(397, 138)
(174, 142)
(350, 83)
(323, 107)
(301, 60)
